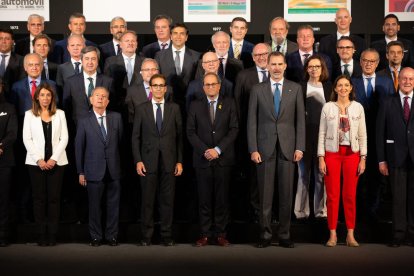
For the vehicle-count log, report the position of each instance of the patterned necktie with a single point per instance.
(237, 50)
(33, 88)
(264, 73)
(276, 99)
(129, 70)
(102, 127)
(158, 117)
(211, 111)
(370, 89)
(77, 68)
(220, 72)
(346, 72)
(90, 87)
(177, 63)
(163, 45)
(306, 56)
(3, 65)
(406, 109)
(118, 49)
(395, 77)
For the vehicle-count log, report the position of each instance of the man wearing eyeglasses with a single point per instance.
(212, 129)
(347, 64)
(112, 48)
(370, 90)
(157, 146)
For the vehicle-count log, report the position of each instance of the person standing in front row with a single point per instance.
(276, 140)
(98, 139)
(342, 148)
(45, 136)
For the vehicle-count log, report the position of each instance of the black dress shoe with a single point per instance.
(95, 242)
(42, 241)
(52, 240)
(145, 242)
(168, 242)
(395, 243)
(113, 242)
(263, 243)
(4, 243)
(286, 243)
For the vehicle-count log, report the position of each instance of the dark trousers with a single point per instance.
(266, 181)
(96, 190)
(5, 180)
(46, 189)
(402, 186)
(213, 198)
(163, 183)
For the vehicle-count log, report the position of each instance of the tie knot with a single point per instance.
(346, 65)
(3, 55)
(158, 105)
(102, 117)
(177, 52)
(406, 98)
(163, 45)
(77, 63)
(90, 79)
(277, 85)
(369, 80)
(306, 55)
(33, 82)
(221, 59)
(212, 102)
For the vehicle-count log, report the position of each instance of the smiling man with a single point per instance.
(162, 25)
(239, 47)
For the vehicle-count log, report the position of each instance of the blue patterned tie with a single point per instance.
(77, 68)
(102, 127)
(370, 89)
(276, 99)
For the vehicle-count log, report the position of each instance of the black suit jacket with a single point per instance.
(8, 132)
(394, 137)
(381, 47)
(94, 155)
(148, 145)
(136, 95)
(327, 46)
(204, 134)
(151, 49)
(231, 69)
(14, 72)
(337, 70)
(75, 100)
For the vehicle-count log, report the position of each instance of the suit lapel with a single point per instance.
(95, 125)
(286, 93)
(150, 114)
(82, 88)
(219, 111)
(268, 96)
(109, 126)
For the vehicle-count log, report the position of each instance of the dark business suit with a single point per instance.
(276, 138)
(151, 49)
(160, 152)
(295, 69)
(381, 47)
(180, 82)
(395, 145)
(337, 70)
(99, 161)
(231, 69)
(245, 53)
(213, 177)
(107, 50)
(75, 99)
(195, 91)
(14, 72)
(327, 46)
(8, 135)
(51, 70)
(386, 72)
(60, 52)
(372, 178)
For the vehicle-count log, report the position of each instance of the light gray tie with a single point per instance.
(129, 70)
(177, 63)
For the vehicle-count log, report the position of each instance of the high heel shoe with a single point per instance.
(331, 243)
(353, 243)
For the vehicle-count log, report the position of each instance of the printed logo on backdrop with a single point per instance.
(19, 10)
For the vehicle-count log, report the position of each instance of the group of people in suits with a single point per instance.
(261, 106)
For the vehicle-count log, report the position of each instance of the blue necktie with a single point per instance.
(102, 127)
(370, 89)
(158, 117)
(276, 99)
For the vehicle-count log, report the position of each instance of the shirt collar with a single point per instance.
(86, 76)
(388, 40)
(126, 57)
(272, 82)
(351, 63)
(38, 79)
(175, 49)
(301, 53)
(339, 35)
(365, 76)
(215, 99)
(402, 95)
(98, 115)
(155, 102)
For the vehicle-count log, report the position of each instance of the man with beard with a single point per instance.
(112, 48)
(279, 29)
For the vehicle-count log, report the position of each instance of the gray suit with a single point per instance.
(276, 138)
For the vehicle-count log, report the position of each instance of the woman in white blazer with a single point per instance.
(45, 136)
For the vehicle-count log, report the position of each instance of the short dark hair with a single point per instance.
(163, 16)
(395, 43)
(276, 54)
(334, 95)
(88, 49)
(324, 69)
(391, 15)
(158, 76)
(345, 38)
(8, 31)
(241, 19)
(179, 25)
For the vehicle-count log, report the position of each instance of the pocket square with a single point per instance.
(3, 114)
(390, 141)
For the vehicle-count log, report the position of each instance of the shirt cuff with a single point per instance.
(218, 150)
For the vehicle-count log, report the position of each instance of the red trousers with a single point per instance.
(344, 161)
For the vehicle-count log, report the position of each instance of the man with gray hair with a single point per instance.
(112, 48)
(279, 29)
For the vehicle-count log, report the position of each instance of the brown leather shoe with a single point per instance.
(222, 241)
(203, 241)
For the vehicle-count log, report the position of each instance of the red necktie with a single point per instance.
(33, 89)
(406, 109)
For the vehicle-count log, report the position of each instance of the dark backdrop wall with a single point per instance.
(367, 21)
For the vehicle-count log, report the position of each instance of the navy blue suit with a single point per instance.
(99, 160)
(151, 49)
(381, 47)
(295, 70)
(60, 52)
(107, 50)
(245, 54)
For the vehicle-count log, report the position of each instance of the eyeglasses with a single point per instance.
(261, 55)
(211, 85)
(314, 67)
(149, 69)
(372, 61)
(210, 61)
(345, 47)
(158, 86)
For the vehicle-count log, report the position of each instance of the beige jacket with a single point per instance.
(329, 128)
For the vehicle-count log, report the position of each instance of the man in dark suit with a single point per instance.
(35, 26)
(8, 135)
(179, 63)
(78, 88)
(395, 55)
(239, 47)
(296, 60)
(162, 25)
(276, 140)
(347, 64)
(112, 48)
(390, 28)
(11, 64)
(195, 91)
(328, 43)
(245, 81)
(97, 143)
(212, 128)
(157, 145)
(77, 25)
(124, 68)
(370, 90)
(41, 46)
(395, 150)
(279, 29)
